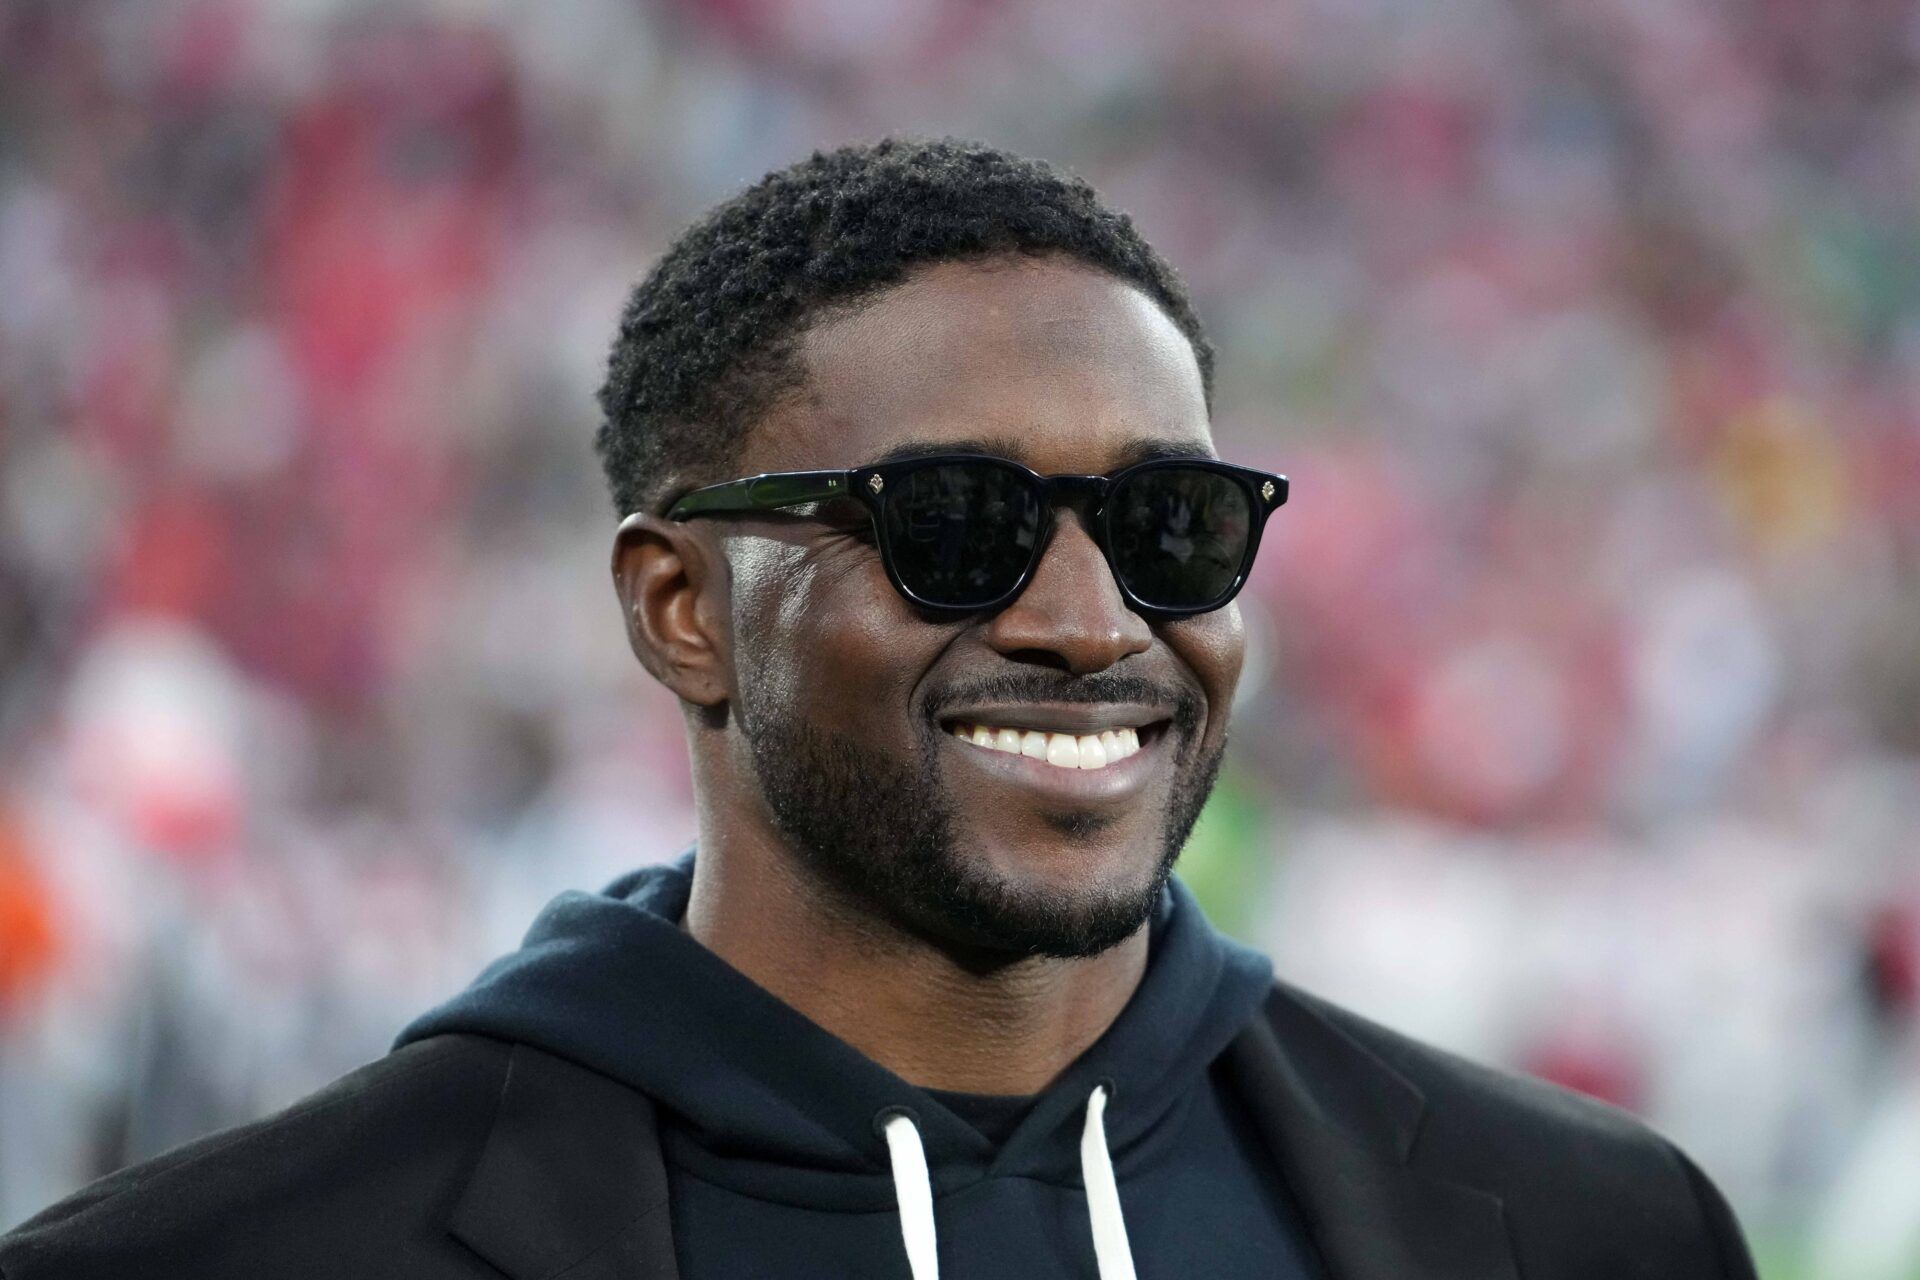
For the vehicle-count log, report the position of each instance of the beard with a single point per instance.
(882, 830)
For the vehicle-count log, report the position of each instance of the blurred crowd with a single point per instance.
(1582, 727)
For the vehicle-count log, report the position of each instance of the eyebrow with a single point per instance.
(1141, 449)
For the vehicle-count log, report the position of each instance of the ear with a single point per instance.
(671, 587)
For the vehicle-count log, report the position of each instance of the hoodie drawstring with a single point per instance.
(1103, 1193)
(913, 1190)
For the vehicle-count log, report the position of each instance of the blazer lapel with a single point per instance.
(571, 1179)
(1341, 1125)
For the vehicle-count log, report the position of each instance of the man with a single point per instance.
(924, 529)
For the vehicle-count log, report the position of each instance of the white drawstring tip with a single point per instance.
(914, 1190)
(1110, 1249)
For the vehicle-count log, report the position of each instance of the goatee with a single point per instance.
(881, 830)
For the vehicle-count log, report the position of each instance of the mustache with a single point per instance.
(1037, 686)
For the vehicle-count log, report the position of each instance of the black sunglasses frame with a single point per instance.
(873, 486)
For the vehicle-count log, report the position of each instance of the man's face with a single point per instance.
(847, 696)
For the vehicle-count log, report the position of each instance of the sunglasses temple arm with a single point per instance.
(762, 493)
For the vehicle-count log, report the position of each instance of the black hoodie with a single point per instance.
(774, 1131)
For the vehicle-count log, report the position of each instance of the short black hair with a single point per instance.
(707, 341)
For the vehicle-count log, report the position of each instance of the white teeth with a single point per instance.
(1092, 754)
(1062, 750)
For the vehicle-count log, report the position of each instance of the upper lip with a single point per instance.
(1077, 718)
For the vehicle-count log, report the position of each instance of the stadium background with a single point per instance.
(1582, 732)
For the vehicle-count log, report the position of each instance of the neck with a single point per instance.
(935, 1017)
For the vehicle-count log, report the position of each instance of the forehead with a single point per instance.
(1052, 363)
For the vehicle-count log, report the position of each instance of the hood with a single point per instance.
(777, 1107)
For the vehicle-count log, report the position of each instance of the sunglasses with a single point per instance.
(964, 532)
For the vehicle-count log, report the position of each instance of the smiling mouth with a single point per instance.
(1061, 750)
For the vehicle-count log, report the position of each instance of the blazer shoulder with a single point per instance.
(349, 1169)
(1506, 1100)
(1569, 1167)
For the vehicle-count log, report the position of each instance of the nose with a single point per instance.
(1071, 614)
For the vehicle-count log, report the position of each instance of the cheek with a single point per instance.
(768, 591)
(1213, 647)
(828, 639)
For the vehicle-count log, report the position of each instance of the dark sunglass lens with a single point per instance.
(961, 533)
(1179, 535)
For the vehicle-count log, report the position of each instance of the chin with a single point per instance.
(1066, 892)
(985, 871)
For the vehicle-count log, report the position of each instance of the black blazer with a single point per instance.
(466, 1158)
